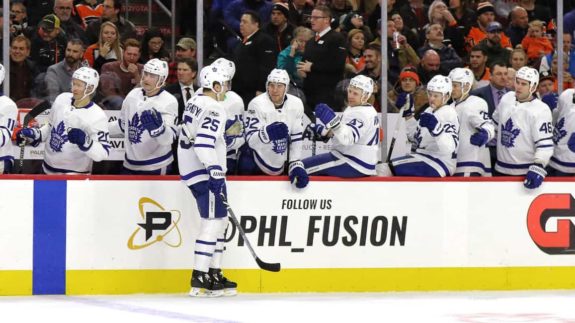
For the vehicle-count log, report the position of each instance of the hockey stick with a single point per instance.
(39, 108)
(395, 132)
(275, 267)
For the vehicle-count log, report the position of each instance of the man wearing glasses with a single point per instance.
(323, 61)
(63, 9)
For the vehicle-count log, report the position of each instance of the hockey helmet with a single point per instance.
(89, 76)
(441, 84)
(2, 73)
(363, 83)
(226, 67)
(278, 76)
(530, 75)
(157, 67)
(463, 76)
(210, 75)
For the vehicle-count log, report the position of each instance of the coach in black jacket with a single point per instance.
(255, 57)
(323, 60)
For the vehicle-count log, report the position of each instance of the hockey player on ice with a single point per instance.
(475, 126)
(524, 131)
(148, 123)
(274, 132)
(8, 117)
(202, 164)
(562, 162)
(354, 135)
(435, 138)
(234, 106)
(77, 130)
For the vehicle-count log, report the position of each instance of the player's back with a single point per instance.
(8, 117)
(563, 128)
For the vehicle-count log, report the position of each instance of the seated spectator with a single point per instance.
(111, 13)
(429, 66)
(511, 78)
(439, 14)
(153, 46)
(48, 44)
(128, 70)
(293, 54)
(185, 48)
(19, 21)
(492, 44)
(465, 16)
(567, 50)
(23, 71)
(408, 84)
(107, 49)
(372, 55)
(89, 11)
(355, 61)
(109, 96)
(518, 25)
(546, 84)
(354, 20)
(59, 76)
(568, 81)
(435, 41)
(399, 53)
(412, 37)
(478, 65)
(339, 9)
(518, 58)
(536, 11)
(415, 15)
(535, 44)
(64, 9)
(300, 13)
(279, 27)
(485, 15)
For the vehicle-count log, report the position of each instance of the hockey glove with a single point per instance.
(324, 113)
(551, 100)
(152, 121)
(78, 137)
(319, 132)
(428, 120)
(297, 174)
(217, 180)
(479, 138)
(571, 142)
(405, 101)
(274, 131)
(28, 136)
(535, 176)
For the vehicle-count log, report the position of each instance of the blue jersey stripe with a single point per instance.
(360, 162)
(149, 161)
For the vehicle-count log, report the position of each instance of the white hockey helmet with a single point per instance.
(89, 76)
(210, 75)
(464, 76)
(158, 67)
(2, 73)
(363, 83)
(530, 75)
(226, 67)
(441, 84)
(278, 76)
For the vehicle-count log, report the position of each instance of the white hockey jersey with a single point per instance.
(473, 114)
(437, 148)
(356, 140)
(271, 156)
(524, 134)
(563, 158)
(8, 117)
(144, 152)
(64, 157)
(234, 106)
(201, 143)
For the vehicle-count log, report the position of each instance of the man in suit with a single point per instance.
(323, 61)
(255, 57)
(183, 90)
(493, 92)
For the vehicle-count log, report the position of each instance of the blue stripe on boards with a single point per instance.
(49, 268)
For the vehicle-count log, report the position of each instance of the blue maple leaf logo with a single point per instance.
(508, 134)
(58, 137)
(559, 131)
(135, 129)
(279, 146)
(416, 140)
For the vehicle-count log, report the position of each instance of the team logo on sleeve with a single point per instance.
(279, 146)
(559, 131)
(417, 138)
(508, 134)
(135, 129)
(58, 137)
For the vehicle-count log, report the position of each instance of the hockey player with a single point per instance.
(274, 132)
(562, 162)
(525, 131)
(77, 130)
(234, 106)
(202, 164)
(435, 137)
(475, 126)
(354, 135)
(8, 117)
(148, 122)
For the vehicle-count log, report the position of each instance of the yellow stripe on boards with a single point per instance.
(327, 280)
(15, 282)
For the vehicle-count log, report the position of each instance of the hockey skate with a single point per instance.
(230, 287)
(203, 285)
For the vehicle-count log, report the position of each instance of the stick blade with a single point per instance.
(275, 267)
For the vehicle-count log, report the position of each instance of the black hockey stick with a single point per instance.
(39, 108)
(275, 267)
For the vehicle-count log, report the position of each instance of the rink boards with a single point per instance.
(117, 235)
